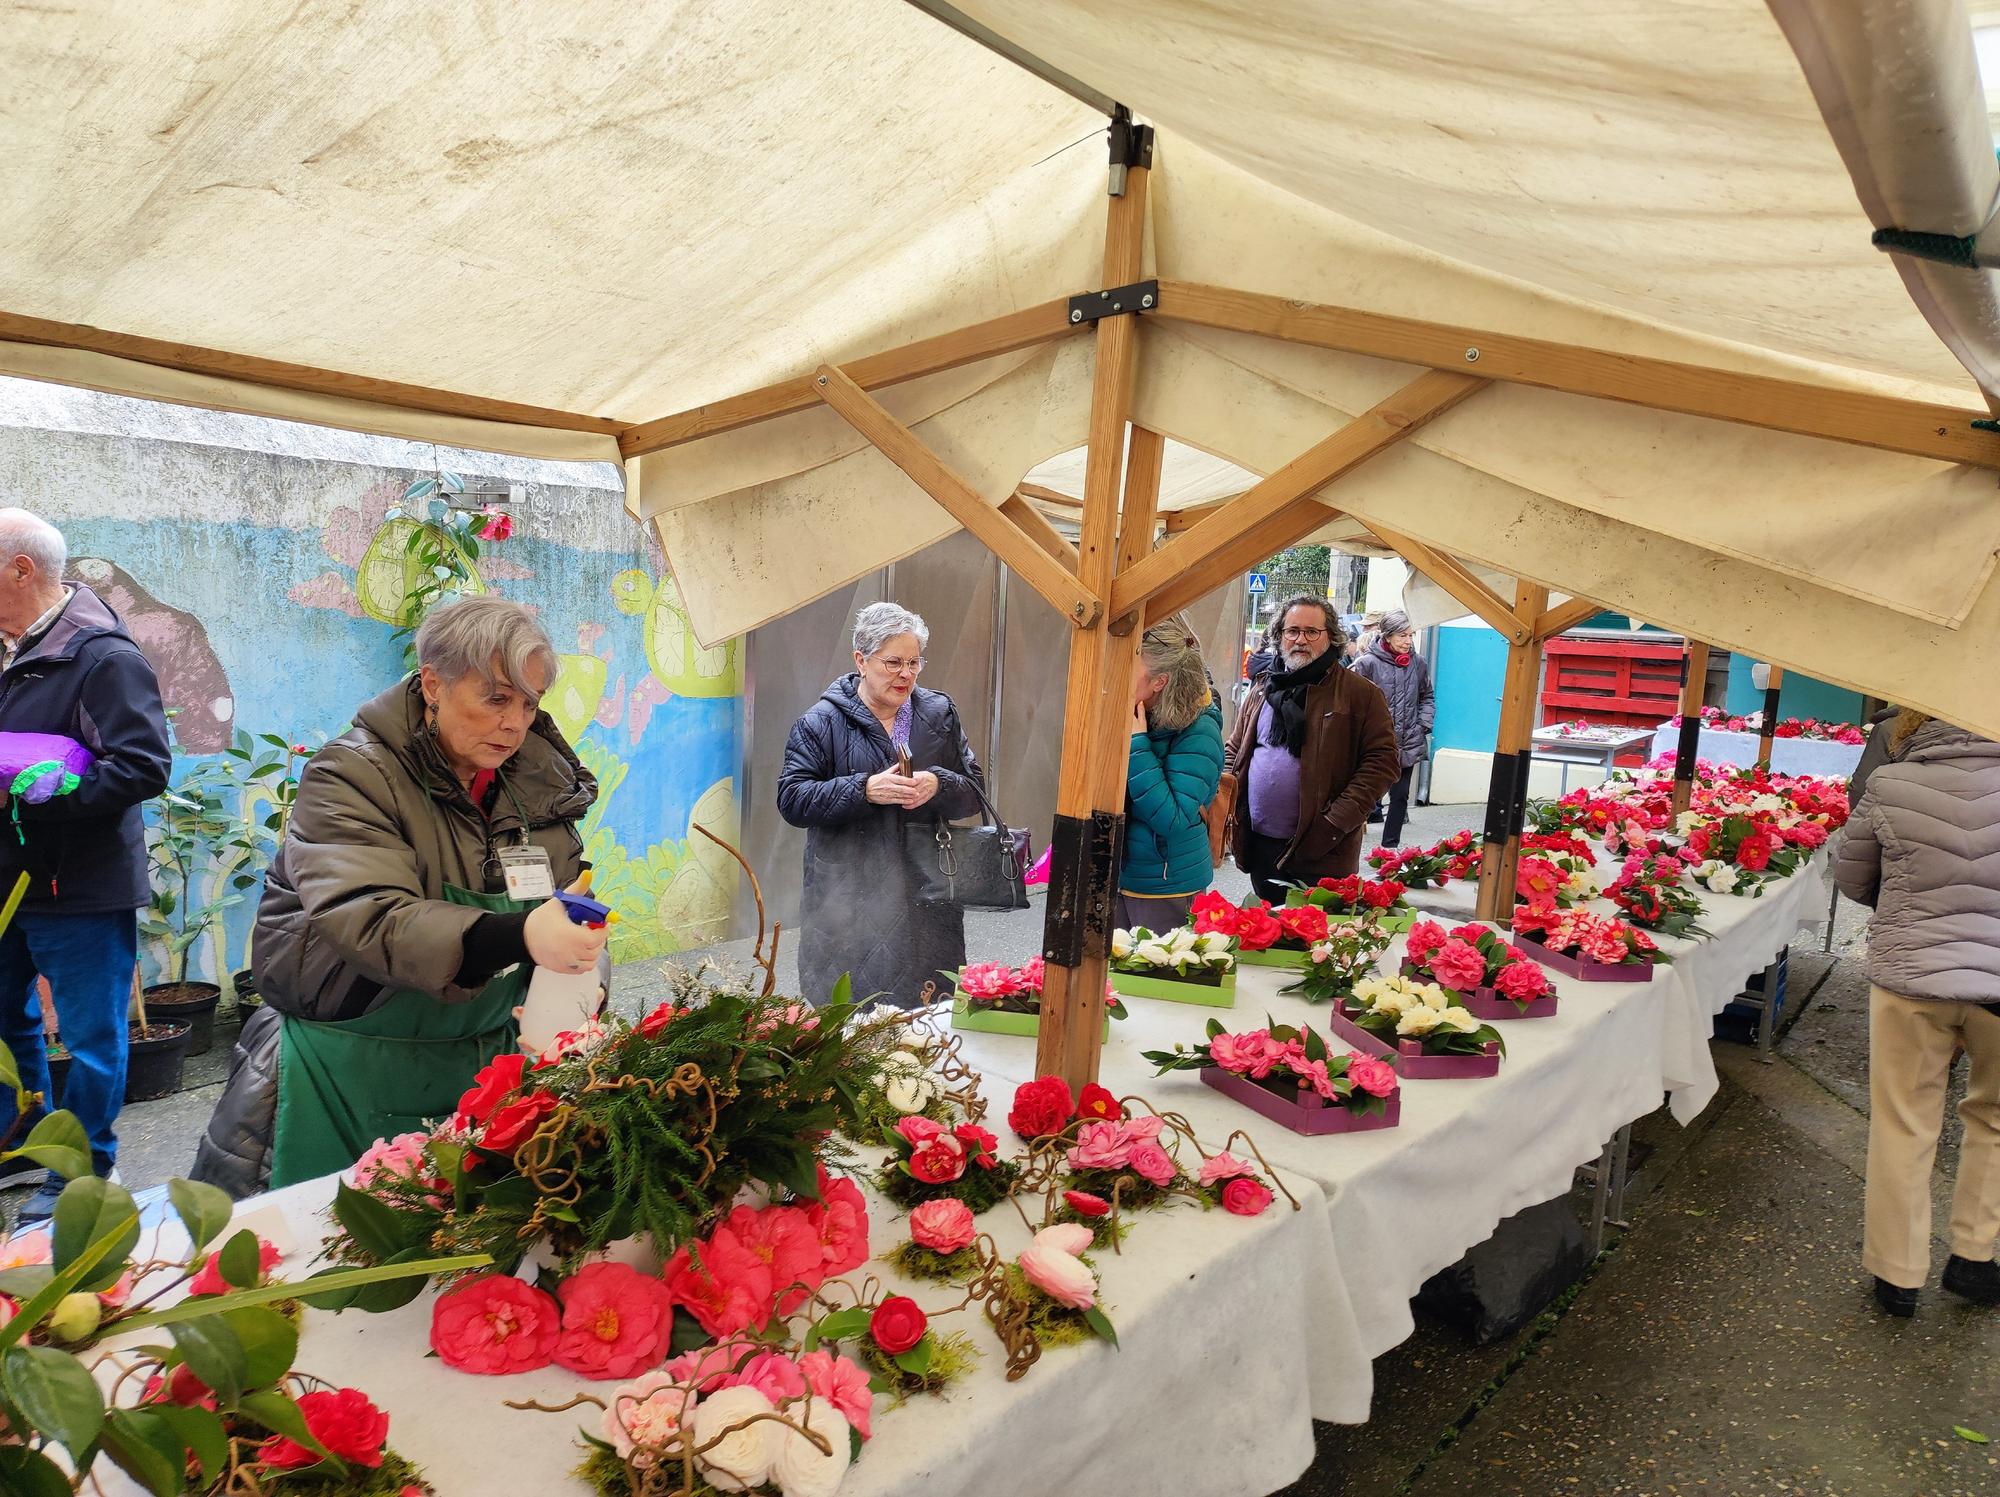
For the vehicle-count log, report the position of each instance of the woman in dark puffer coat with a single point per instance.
(1923, 848)
(1393, 664)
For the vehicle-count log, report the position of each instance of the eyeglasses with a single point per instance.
(901, 667)
(1304, 633)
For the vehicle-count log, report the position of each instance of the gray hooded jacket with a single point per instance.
(1923, 847)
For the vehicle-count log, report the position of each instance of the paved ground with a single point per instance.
(1725, 1345)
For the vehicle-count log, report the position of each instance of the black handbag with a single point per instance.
(983, 867)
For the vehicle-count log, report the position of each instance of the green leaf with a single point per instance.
(378, 1229)
(881, 1382)
(917, 1360)
(841, 1325)
(270, 1343)
(335, 1284)
(25, 1282)
(1215, 1028)
(688, 1334)
(59, 1143)
(843, 990)
(1315, 1046)
(10, 1074)
(1099, 1322)
(200, 1431)
(280, 1415)
(29, 1473)
(392, 1294)
(1968, 1434)
(145, 1444)
(91, 1211)
(56, 1392)
(239, 1262)
(210, 1347)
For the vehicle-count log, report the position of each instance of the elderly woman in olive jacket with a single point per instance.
(388, 899)
(1923, 847)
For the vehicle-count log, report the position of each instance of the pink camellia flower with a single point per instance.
(1313, 1073)
(918, 1130)
(1030, 975)
(730, 1290)
(1245, 1196)
(1144, 1130)
(645, 1415)
(1458, 966)
(772, 1374)
(706, 1368)
(840, 1217)
(495, 525)
(616, 1321)
(842, 1384)
(1523, 982)
(942, 1226)
(989, 980)
(938, 1162)
(495, 1324)
(401, 1157)
(1373, 1076)
(1100, 1146)
(1221, 1167)
(1234, 1052)
(1051, 1264)
(1153, 1162)
(1424, 938)
(784, 1240)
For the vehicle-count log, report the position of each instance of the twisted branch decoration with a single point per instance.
(769, 962)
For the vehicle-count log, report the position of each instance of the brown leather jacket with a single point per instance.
(1349, 762)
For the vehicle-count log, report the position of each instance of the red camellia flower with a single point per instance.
(210, 1280)
(343, 1420)
(499, 525)
(1754, 853)
(1245, 1196)
(897, 1324)
(497, 1079)
(840, 1218)
(1259, 930)
(1304, 923)
(938, 1162)
(659, 1019)
(511, 1124)
(1097, 1102)
(178, 1386)
(495, 1324)
(978, 1143)
(1041, 1107)
(616, 1322)
(1083, 1203)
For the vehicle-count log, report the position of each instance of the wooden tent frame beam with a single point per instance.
(1448, 573)
(1566, 616)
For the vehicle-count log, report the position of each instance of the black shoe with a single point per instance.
(1901, 1303)
(1970, 1279)
(21, 1171)
(40, 1206)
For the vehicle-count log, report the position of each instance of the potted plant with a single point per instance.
(1354, 898)
(1264, 937)
(155, 1052)
(191, 833)
(1425, 1031)
(1588, 947)
(266, 771)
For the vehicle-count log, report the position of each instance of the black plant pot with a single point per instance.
(189, 1003)
(153, 1066)
(248, 1000)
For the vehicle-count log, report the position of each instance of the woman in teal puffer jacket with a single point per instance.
(1176, 765)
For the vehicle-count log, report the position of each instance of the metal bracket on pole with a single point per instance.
(1119, 301)
(1131, 145)
(1083, 885)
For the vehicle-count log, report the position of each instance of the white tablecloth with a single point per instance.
(1816, 756)
(1748, 933)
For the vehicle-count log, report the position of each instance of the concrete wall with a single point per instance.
(237, 567)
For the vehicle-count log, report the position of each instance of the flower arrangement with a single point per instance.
(1183, 966)
(930, 1162)
(1290, 1075)
(1473, 961)
(1397, 1008)
(1428, 867)
(1356, 898)
(1000, 999)
(215, 1405)
(1652, 894)
(1556, 866)
(896, 1341)
(1335, 965)
(1264, 936)
(1810, 727)
(940, 1246)
(648, 1130)
(1233, 1185)
(1752, 844)
(1594, 948)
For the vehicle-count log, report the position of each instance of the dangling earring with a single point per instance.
(430, 717)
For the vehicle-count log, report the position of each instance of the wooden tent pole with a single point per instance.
(1694, 686)
(1566, 616)
(1512, 758)
(1767, 735)
(1097, 702)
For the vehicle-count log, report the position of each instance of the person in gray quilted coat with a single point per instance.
(1923, 848)
(1391, 661)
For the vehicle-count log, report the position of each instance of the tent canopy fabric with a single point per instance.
(622, 212)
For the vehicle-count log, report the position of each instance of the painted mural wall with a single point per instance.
(264, 586)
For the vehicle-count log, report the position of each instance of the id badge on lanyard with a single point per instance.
(528, 873)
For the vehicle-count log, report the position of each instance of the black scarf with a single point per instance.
(1285, 693)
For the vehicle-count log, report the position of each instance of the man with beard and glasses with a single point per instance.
(1312, 751)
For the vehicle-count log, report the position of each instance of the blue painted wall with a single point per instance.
(1471, 664)
(1798, 696)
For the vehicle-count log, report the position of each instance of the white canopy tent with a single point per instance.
(1591, 283)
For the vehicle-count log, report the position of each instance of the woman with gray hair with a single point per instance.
(1391, 661)
(410, 900)
(1175, 767)
(870, 770)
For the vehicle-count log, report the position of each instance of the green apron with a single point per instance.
(342, 1086)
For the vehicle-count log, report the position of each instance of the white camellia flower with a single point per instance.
(1767, 803)
(1153, 953)
(1460, 1018)
(741, 1459)
(1418, 1019)
(801, 1468)
(1183, 940)
(1213, 941)
(1121, 944)
(1687, 821)
(908, 1094)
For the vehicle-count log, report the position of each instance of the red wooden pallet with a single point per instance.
(1614, 682)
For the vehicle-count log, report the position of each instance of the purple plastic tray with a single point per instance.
(1408, 1055)
(1582, 968)
(1486, 1003)
(1310, 1113)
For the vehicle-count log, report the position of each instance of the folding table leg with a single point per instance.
(1607, 1201)
(1767, 1015)
(1832, 904)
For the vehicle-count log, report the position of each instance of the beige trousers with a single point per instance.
(1910, 1046)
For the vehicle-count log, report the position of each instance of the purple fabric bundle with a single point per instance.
(58, 763)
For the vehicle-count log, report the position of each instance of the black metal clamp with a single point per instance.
(1119, 301)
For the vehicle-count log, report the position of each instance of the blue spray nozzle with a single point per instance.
(583, 910)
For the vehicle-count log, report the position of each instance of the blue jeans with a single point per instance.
(88, 960)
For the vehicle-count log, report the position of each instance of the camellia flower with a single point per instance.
(1042, 1107)
(897, 1324)
(616, 1321)
(942, 1226)
(1371, 1075)
(1097, 1102)
(495, 1324)
(988, 980)
(645, 1417)
(1458, 965)
(739, 1445)
(1153, 1163)
(772, 1374)
(730, 1290)
(939, 1161)
(1100, 1146)
(1246, 1196)
(840, 1219)
(1425, 937)
(495, 1081)
(496, 525)
(842, 1384)
(1051, 1264)
(400, 1157)
(1083, 1203)
(513, 1123)
(210, 1280)
(343, 1420)
(1221, 1167)
(799, 1467)
(782, 1238)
